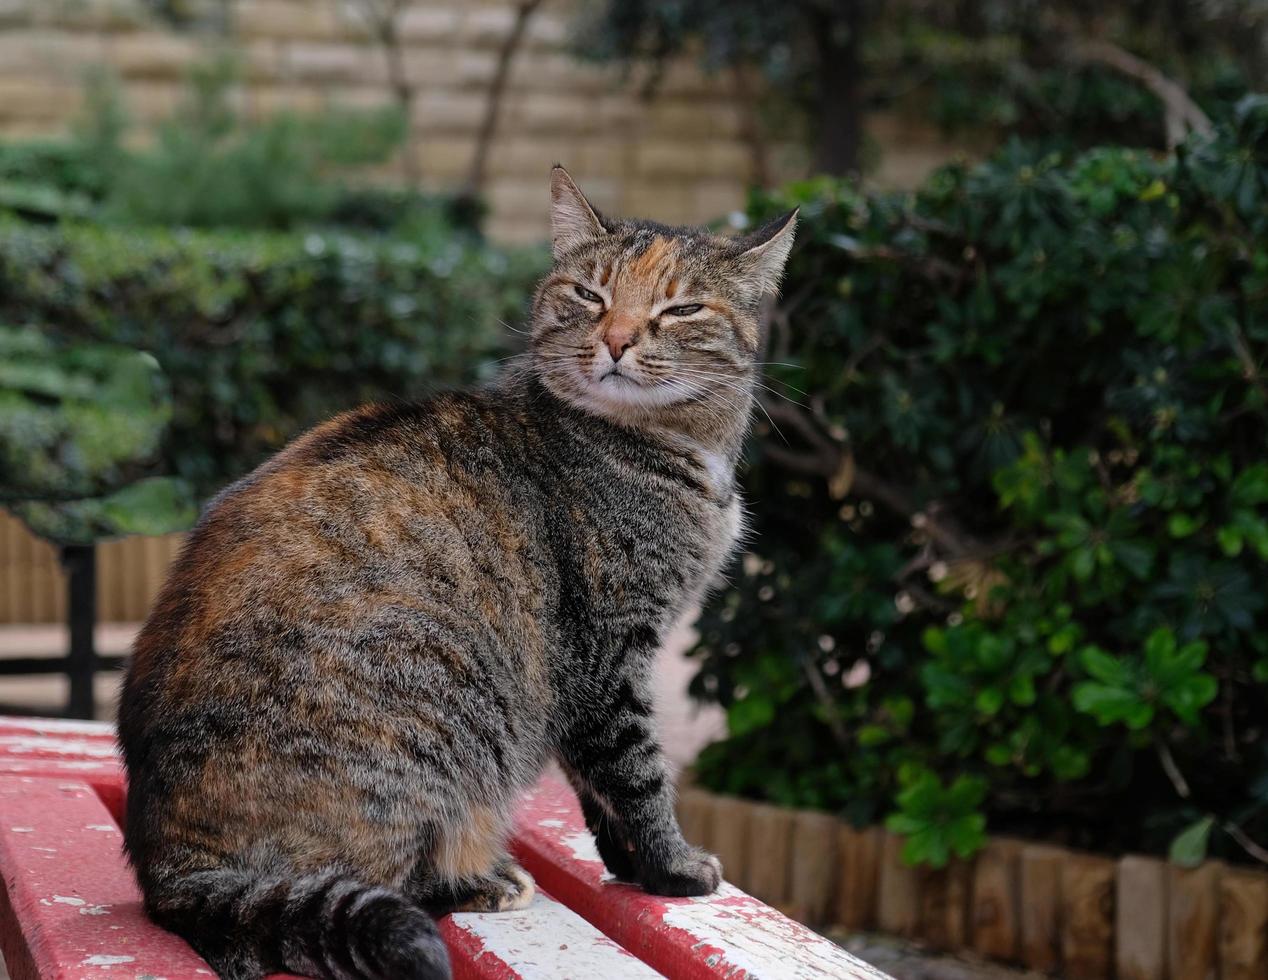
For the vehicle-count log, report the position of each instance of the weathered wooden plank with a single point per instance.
(728, 934)
(1194, 928)
(1040, 898)
(66, 750)
(858, 876)
(540, 942)
(898, 904)
(770, 853)
(1140, 923)
(1243, 932)
(1087, 917)
(70, 904)
(70, 907)
(812, 876)
(996, 913)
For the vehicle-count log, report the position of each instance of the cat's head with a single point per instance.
(638, 319)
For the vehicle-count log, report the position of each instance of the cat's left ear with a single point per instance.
(764, 252)
(573, 222)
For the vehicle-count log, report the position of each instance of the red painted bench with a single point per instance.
(70, 908)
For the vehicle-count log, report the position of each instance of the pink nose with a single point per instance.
(619, 339)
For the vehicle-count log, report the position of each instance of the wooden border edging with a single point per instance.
(1081, 916)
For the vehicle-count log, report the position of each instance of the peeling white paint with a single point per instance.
(68, 900)
(47, 850)
(550, 823)
(95, 910)
(548, 939)
(81, 748)
(22, 830)
(752, 940)
(107, 827)
(105, 959)
(59, 726)
(581, 846)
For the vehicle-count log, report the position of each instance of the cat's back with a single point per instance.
(380, 518)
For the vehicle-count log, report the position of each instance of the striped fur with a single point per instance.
(373, 643)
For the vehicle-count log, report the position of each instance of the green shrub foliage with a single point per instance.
(1012, 531)
(261, 335)
(80, 429)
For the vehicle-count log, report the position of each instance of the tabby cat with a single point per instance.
(375, 641)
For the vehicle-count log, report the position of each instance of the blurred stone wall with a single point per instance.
(678, 156)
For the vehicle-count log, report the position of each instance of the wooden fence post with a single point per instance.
(898, 904)
(1141, 919)
(695, 816)
(814, 863)
(770, 848)
(1087, 917)
(858, 877)
(1040, 945)
(1243, 925)
(996, 907)
(1194, 922)
(729, 838)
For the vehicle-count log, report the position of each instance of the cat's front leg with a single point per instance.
(613, 758)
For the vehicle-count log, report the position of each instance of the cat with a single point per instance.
(372, 643)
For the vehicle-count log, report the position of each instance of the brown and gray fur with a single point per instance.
(373, 643)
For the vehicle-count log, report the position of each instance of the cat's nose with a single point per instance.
(619, 340)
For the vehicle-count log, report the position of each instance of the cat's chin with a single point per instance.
(617, 396)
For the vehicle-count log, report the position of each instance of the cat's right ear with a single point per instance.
(573, 222)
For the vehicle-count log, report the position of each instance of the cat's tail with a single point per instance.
(324, 925)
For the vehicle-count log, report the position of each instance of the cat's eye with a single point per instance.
(588, 295)
(686, 310)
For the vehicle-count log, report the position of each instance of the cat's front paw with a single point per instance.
(695, 872)
(617, 853)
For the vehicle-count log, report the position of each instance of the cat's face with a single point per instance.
(637, 318)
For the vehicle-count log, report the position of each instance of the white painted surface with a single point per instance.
(43, 744)
(758, 942)
(548, 941)
(62, 726)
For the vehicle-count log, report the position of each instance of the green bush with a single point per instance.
(1012, 536)
(260, 334)
(211, 167)
(80, 427)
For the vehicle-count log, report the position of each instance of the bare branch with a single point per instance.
(1183, 115)
(381, 19)
(524, 11)
(825, 458)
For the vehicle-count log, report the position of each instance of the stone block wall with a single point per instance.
(677, 156)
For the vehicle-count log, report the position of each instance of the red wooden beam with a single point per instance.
(70, 907)
(728, 934)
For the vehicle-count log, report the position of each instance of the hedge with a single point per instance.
(261, 334)
(1011, 536)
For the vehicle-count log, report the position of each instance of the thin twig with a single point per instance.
(829, 706)
(1172, 770)
(1249, 846)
